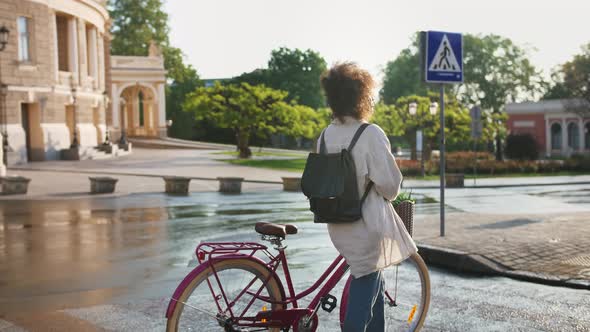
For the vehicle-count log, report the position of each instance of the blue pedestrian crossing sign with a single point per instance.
(444, 57)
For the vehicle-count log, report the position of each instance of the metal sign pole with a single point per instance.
(442, 160)
(474, 162)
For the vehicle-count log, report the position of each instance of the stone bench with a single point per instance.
(177, 185)
(102, 185)
(291, 183)
(455, 180)
(230, 185)
(14, 185)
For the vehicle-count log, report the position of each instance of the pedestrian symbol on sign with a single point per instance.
(445, 60)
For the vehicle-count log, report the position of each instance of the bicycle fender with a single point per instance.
(205, 265)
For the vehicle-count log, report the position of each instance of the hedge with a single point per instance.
(462, 162)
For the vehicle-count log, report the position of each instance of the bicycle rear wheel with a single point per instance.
(407, 295)
(203, 308)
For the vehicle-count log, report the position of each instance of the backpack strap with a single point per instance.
(367, 190)
(357, 135)
(323, 143)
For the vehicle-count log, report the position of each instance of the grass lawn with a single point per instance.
(294, 165)
(298, 164)
(262, 154)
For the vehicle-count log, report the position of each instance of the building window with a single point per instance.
(141, 117)
(587, 135)
(24, 39)
(556, 136)
(61, 24)
(573, 136)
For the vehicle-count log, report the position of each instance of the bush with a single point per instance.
(549, 166)
(409, 167)
(577, 162)
(521, 147)
(470, 155)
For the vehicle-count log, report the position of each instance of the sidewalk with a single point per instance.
(546, 248)
(140, 172)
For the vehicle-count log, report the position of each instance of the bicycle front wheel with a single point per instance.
(213, 302)
(406, 295)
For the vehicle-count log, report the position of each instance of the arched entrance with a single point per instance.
(139, 111)
(573, 136)
(138, 95)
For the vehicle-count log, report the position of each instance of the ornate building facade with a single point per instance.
(62, 88)
(558, 130)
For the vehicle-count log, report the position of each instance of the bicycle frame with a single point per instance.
(210, 252)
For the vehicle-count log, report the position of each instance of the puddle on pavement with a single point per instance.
(89, 247)
(573, 196)
(507, 224)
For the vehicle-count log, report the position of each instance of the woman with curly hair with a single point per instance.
(379, 239)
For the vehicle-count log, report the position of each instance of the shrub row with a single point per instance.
(492, 167)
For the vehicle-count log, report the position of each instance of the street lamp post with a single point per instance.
(123, 139)
(413, 109)
(75, 143)
(105, 98)
(4, 33)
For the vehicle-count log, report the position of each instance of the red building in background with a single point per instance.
(557, 130)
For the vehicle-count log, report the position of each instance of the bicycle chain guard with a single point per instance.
(329, 302)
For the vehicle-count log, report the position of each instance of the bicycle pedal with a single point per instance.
(329, 302)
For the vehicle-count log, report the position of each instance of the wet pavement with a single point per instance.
(111, 263)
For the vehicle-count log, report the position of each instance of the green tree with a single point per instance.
(402, 76)
(297, 72)
(396, 120)
(255, 77)
(294, 71)
(251, 110)
(497, 71)
(572, 80)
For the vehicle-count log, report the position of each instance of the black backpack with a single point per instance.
(329, 182)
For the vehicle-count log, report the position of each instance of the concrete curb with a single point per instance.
(473, 263)
(59, 170)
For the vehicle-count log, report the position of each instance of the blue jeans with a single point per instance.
(365, 310)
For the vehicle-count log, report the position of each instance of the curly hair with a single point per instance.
(348, 91)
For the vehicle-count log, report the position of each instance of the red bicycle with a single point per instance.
(233, 289)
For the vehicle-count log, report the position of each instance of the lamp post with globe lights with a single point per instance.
(75, 144)
(106, 100)
(413, 110)
(4, 34)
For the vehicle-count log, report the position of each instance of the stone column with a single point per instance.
(564, 145)
(547, 137)
(73, 49)
(126, 123)
(101, 61)
(115, 104)
(53, 27)
(93, 56)
(83, 65)
(162, 105)
(2, 166)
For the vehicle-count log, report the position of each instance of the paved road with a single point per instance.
(110, 264)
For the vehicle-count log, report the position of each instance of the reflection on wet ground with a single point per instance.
(574, 196)
(102, 245)
(127, 254)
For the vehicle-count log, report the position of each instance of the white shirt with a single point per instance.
(379, 239)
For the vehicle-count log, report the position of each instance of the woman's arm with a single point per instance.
(382, 168)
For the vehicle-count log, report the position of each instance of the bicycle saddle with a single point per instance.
(267, 228)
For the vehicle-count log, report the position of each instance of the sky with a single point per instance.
(224, 38)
